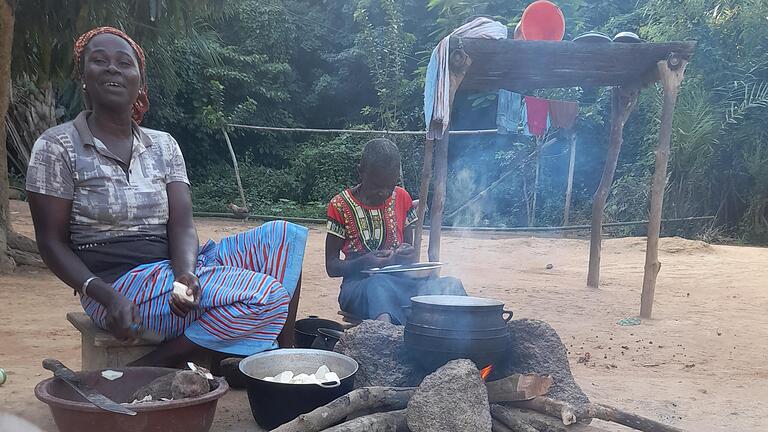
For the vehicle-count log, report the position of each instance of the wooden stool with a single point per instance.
(100, 350)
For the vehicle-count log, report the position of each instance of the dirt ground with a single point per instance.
(700, 364)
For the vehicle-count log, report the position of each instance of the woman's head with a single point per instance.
(112, 68)
(379, 169)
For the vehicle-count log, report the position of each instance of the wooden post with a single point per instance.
(624, 100)
(438, 197)
(458, 63)
(532, 220)
(237, 170)
(426, 178)
(671, 73)
(569, 187)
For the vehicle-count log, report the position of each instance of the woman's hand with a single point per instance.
(378, 259)
(406, 254)
(179, 306)
(121, 315)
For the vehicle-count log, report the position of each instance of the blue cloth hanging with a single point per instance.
(430, 84)
(508, 112)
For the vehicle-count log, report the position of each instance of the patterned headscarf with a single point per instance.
(141, 105)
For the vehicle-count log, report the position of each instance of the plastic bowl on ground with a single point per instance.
(72, 413)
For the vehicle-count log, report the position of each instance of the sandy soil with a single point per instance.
(701, 363)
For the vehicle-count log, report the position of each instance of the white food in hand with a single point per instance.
(111, 375)
(180, 291)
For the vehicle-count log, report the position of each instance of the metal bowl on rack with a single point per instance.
(413, 271)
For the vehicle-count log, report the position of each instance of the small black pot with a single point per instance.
(326, 339)
(305, 330)
(274, 404)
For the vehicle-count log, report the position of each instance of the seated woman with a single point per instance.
(112, 212)
(371, 224)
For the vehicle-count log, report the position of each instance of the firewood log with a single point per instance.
(522, 420)
(498, 426)
(365, 398)
(568, 414)
(518, 387)
(555, 408)
(610, 414)
(516, 424)
(392, 421)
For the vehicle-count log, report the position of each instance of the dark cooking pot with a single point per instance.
(444, 328)
(326, 339)
(274, 403)
(305, 330)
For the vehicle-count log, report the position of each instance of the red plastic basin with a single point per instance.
(542, 20)
(72, 413)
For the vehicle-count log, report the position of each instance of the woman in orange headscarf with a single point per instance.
(112, 212)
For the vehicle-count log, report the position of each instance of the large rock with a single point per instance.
(379, 349)
(536, 348)
(453, 398)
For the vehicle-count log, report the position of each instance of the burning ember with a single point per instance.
(484, 372)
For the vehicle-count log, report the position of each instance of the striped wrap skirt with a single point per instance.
(247, 281)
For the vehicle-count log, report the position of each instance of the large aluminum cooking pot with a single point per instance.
(442, 328)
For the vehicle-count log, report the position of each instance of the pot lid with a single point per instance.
(453, 300)
(592, 37)
(627, 37)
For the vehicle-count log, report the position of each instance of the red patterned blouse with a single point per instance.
(366, 229)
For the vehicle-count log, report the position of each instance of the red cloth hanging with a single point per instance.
(537, 110)
(563, 113)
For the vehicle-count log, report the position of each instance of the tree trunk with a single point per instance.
(7, 8)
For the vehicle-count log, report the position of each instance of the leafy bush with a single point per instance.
(262, 186)
(324, 167)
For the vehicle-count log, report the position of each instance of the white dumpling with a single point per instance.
(284, 377)
(331, 377)
(322, 371)
(300, 378)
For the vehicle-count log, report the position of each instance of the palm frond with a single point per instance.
(743, 98)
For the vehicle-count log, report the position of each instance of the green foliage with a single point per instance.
(386, 44)
(324, 167)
